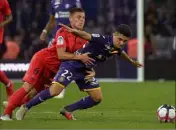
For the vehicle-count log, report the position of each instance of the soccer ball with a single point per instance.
(166, 113)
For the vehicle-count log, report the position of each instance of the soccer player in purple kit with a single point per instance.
(100, 48)
(59, 13)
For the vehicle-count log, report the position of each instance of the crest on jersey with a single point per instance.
(60, 40)
(61, 79)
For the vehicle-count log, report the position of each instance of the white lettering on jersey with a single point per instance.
(61, 14)
(60, 40)
(57, 2)
(96, 35)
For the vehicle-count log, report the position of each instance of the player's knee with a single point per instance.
(27, 86)
(97, 98)
(32, 93)
(55, 89)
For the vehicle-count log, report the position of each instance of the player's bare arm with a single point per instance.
(49, 26)
(7, 20)
(81, 34)
(133, 62)
(63, 55)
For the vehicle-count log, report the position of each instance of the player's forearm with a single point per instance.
(68, 56)
(7, 20)
(126, 57)
(50, 25)
(63, 55)
(82, 34)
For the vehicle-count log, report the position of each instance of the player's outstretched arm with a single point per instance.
(49, 26)
(133, 62)
(79, 33)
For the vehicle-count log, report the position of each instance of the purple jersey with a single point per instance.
(60, 10)
(99, 48)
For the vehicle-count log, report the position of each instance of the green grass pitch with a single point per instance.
(125, 106)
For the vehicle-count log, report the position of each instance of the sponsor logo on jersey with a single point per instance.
(60, 40)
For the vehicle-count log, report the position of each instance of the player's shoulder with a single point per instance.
(61, 31)
(3, 2)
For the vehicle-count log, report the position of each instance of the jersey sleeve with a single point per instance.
(97, 38)
(51, 9)
(60, 38)
(6, 9)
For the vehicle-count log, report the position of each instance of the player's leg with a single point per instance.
(59, 83)
(3, 49)
(31, 77)
(29, 96)
(44, 95)
(14, 102)
(61, 95)
(7, 83)
(94, 98)
(9, 106)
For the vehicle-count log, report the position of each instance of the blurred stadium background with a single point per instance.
(125, 105)
(30, 17)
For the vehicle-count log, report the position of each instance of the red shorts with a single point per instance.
(37, 74)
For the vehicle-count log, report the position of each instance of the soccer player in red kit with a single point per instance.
(45, 63)
(5, 18)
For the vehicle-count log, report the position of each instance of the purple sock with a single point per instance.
(39, 98)
(84, 103)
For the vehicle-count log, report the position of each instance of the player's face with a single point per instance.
(77, 20)
(119, 40)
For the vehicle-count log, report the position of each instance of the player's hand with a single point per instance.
(86, 59)
(43, 36)
(67, 27)
(113, 52)
(90, 74)
(137, 64)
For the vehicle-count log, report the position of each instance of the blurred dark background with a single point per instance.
(31, 16)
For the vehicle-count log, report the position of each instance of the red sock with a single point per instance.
(15, 100)
(25, 100)
(9, 90)
(3, 78)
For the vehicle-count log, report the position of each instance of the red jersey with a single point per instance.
(4, 10)
(63, 39)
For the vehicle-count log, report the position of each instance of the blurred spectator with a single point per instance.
(30, 17)
(13, 47)
(92, 27)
